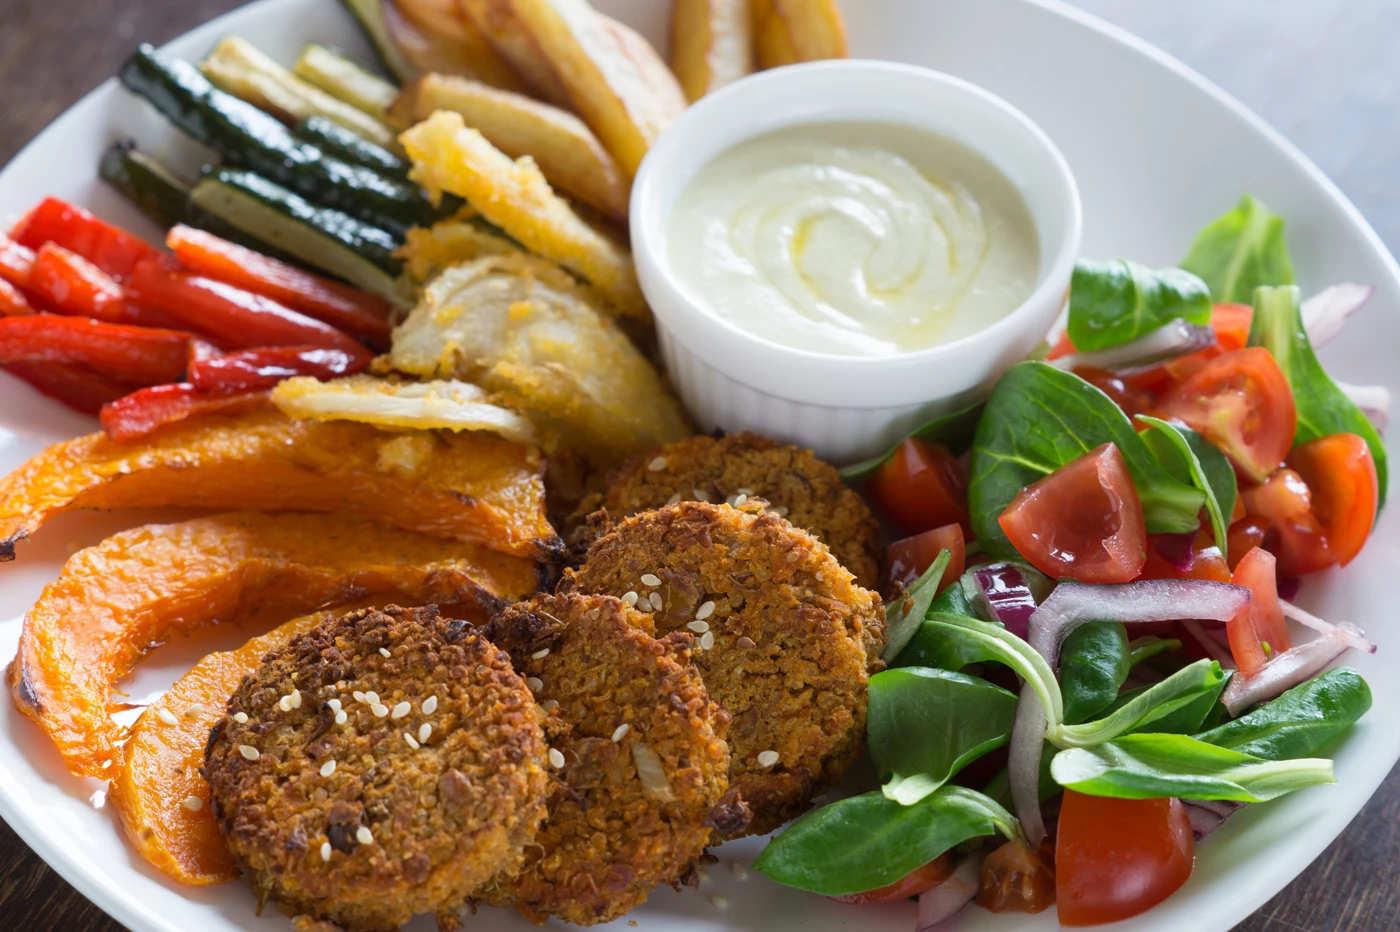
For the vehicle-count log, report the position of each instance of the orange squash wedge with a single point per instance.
(114, 602)
(468, 486)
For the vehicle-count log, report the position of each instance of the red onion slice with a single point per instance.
(1325, 313)
(1288, 669)
(1177, 549)
(1023, 765)
(1373, 400)
(1349, 635)
(1176, 338)
(1072, 604)
(1208, 815)
(1006, 595)
(946, 900)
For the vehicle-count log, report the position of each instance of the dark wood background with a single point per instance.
(1325, 72)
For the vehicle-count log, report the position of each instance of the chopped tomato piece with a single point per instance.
(1018, 878)
(16, 261)
(1262, 622)
(69, 284)
(111, 249)
(1063, 347)
(264, 368)
(76, 386)
(1341, 474)
(149, 409)
(1295, 535)
(910, 557)
(1246, 533)
(915, 882)
(1242, 403)
(1132, 400)
(1083, 521)
(1231, 324)
(1116, 858)
(922, 487)
(13, 303)
(1199, 559)
(139, 355)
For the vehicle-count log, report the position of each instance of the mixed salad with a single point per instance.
(1089, 661)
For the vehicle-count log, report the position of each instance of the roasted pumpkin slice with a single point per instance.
(468, 486)
(114, 602)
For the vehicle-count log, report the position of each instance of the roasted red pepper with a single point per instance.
(76, 386)
(110, 248)
(264, 368)
(149, 409)
(140, 355)
(69, 284)
(361, 315)
(16, 261)
(13, 303)
(236, 318)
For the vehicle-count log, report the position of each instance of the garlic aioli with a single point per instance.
(854, 239)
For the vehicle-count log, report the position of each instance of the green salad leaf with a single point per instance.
(954, 430)
(1143, 649)
(1039, 419)
(1094, 662)
(1241, 251)
(1190, 457)
(1322, 407)
(1184, 719)
(1118, 301)
(1300, 722)
(924, 725)
(903, 617)
(1185, 686)
(945, 646)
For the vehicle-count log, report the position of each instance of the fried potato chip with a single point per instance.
(514, 195)
(498, 22)
(434, 37)
(571, 158)
(711, 44)
(522, 330)
(428, 250)
(790, 31)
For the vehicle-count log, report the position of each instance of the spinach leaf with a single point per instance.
(945, 646)
(1039, 419)
(1185, 720)
(1301, 721)
(1093, 665)
(1145, 648)
(954, 601)
(1118, 301)
(1189, 456)
(1241, 251)
(1004, 647)
(953, 430)
(1150, 766)
(1322, 408)
(867, 842)
(1182, 688)
(902, 618)
(925, 725)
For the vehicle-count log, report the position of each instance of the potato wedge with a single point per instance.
(468, 487)
(498, 22)
(711, 44)
(571, 158)
(438, 405)
(115, 601)
(787, 32)
(514, 195)
(445, 33)
(612, 79)
(429, 250)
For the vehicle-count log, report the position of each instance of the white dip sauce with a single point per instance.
(854, 239)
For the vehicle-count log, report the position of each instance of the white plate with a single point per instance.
(1157, 151)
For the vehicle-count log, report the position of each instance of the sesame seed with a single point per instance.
(328, 767)
(192, 803)
(673, 500)
(241, 718)
(535, 683)
(707, 640)
(556, 758)
(363, 836)
(630, 598)
(657, 464)
(740, 499)
(657, 603)
(540, 654)
(820, 575)
(248, 751)
(705, 610)
(341, 718)
(359, 696)
(410, 741)
(793, 556)
(294, 700)
(550, 705)
(372, 697)
(384, 651)
(285, 704)
(620, 732)
(430, 705)
(699, 627)
(334, 704)
(700, 494)
(165, 715)
(702, 876)
(719, 901)
(325, 851)
(767, 758)
(746, 643)
(425, 731)
(402, 709)
(781, 511)
(106, 764)
(739, 871)
(651, 579)
(194, 710)
(379, 709)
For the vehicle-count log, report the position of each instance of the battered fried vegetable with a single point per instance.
(497, 20)
(787, 32)
(430, 785)
(116, 601)
(787, 643)
(514, 195)
(469, 486)
(447, 36)
(519, 328)
(428, 251)
(644, 757)
(710, 44)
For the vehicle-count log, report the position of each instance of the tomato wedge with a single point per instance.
(1341, 475)
(1116, 858)
(1242, 403)
(912, 884)
(910, 557)
(1132, 400)
(1083, 521)
(1244, 535)
(1262, 622)
(922, 487)
(1296, 537)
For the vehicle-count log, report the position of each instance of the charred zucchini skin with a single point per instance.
(335, 140)
(249, 138)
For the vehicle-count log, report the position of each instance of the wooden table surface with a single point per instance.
(1324, 72)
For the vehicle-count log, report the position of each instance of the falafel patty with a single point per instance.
(798, 486)
(785, 638)
(382, 764)
(640, 753)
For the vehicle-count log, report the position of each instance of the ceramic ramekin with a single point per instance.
(845, 407)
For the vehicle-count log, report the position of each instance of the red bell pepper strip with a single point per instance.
(69, 284)
(13, 303)
(232, 316)
(132, 354)
(149, 409)
(76, 386)
(264, 368)
(111, 249)
(16, 261)
(361, 315)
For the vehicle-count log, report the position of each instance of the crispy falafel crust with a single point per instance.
(611, 836)
(443, 819)
(806, 490)
(794, 638)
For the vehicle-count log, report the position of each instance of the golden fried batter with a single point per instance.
(784, 638)
(431, 786)
(642, 754)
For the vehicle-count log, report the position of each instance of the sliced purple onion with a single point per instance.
(1007, 596)
(946, 900)
(1373, 400)
(1072, 604)
(1177, 550)
(1207, 815)
(1023, 765)
(1325, 313)
(1296, 665)
(1349, 635)
(1176, 338)
(1213, 648)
